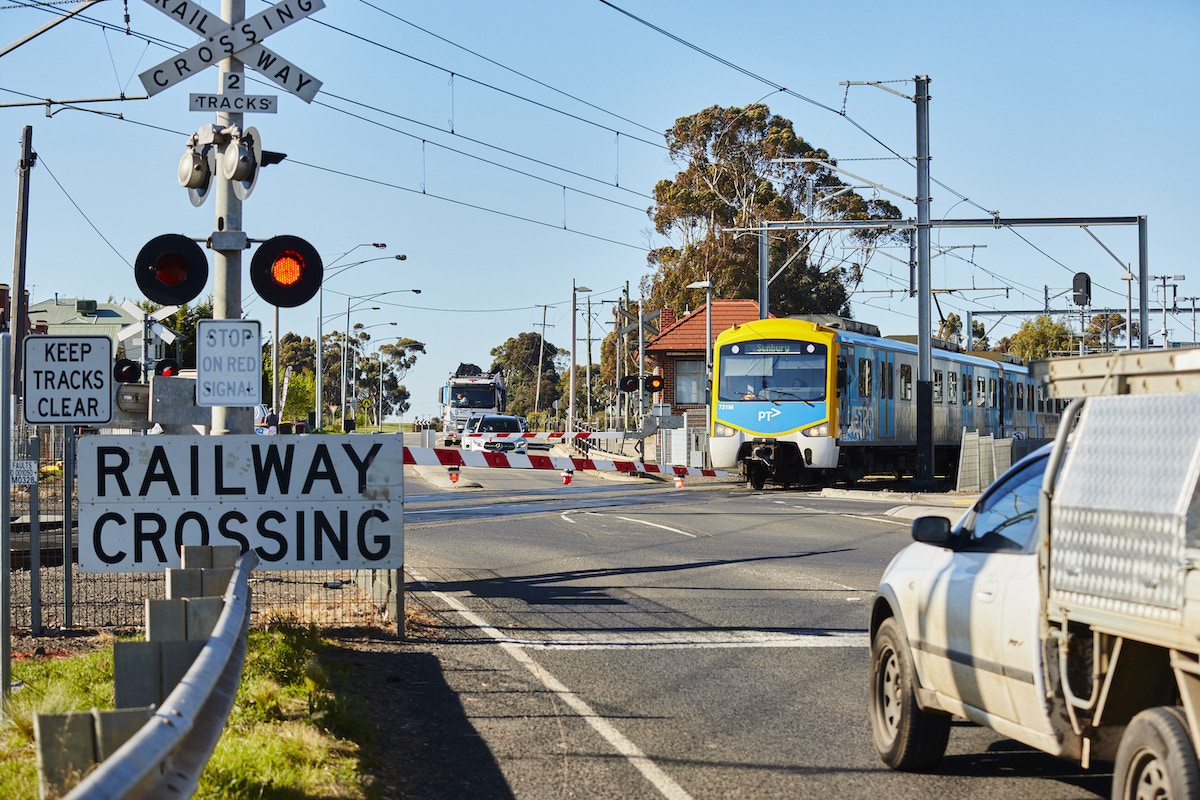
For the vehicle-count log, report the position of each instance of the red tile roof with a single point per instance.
(687, 334)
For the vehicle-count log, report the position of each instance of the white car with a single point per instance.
(496, 434)
(954, 627)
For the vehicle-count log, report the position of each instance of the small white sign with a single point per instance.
(24, 473)
(235, 103)
(68, 380)
(228, 362)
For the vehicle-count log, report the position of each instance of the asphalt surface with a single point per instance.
(634, 640)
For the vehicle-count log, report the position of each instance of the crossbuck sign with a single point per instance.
(241, 40)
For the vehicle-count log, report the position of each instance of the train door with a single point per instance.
(885, 405)
(968, 396)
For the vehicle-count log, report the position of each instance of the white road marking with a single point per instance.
(906, 524)
(695, 640)
(659, 779)
(656, 525)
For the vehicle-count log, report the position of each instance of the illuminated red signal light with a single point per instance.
(286, 271)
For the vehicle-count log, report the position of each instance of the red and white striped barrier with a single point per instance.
(445, 457)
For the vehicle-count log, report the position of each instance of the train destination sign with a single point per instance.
(300, 502)
(67, 380)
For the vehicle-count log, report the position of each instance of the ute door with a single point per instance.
(980, 610)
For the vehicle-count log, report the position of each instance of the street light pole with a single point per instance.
(706, 285)
(320, 320)
(571, 399)
(346, 340)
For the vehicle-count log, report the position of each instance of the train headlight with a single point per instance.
(723, 430)
(817, 430)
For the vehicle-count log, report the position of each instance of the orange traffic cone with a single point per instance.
(454, 474)
(678, 481)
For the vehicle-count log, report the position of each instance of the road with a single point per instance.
(635, 640)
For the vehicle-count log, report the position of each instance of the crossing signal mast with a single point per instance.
(224, 159)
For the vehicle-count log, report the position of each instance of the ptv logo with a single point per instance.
(769, 414)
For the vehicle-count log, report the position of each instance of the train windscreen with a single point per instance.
(772, 370)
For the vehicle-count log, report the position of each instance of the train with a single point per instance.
(819, 399)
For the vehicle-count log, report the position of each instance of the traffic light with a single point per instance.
(286, 271)
(171, 269)
(127, 371)
(651, 383)
(1081, 285)
(167, 367)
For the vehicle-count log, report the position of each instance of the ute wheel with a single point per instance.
(1156, 759)
(905, 736)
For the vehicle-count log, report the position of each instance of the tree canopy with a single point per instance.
(731, 177)
(518, 359)
(1040, 337)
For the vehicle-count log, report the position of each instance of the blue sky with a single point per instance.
(507, 148)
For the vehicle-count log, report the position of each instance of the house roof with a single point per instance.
(687, 334)
(62, 311)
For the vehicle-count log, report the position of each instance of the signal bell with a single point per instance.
(171, 269)
(286, 271)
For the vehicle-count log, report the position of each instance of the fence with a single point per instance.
(48, 590)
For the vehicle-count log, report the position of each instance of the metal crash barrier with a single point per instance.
(196, 633)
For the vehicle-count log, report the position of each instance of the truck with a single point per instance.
(1063, 609)
(469, 392)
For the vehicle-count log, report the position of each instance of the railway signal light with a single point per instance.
(286, 271)
(167, 367)
(127, 371)
(1081, 285)
(171, 269)
(631, 383)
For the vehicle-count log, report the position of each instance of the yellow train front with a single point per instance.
(820, 399)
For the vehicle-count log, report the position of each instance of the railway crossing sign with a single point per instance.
(241, 40)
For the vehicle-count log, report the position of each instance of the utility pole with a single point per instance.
(16, 299)
(925, 448)
(588, 367)
(537, 391)
(227, 262)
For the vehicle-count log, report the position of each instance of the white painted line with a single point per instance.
(877, 519)
(696, 640)
(656, 525)
(566, 518)
(660, 780)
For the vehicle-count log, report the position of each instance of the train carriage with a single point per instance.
(819, 399)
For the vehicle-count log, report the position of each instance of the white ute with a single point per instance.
(1063, 610)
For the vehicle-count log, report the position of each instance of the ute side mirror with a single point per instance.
(932, 530)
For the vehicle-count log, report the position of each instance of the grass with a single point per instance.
(290, 735)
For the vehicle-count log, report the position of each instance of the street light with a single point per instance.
(321, 313)
(706, 285)
(575, 290)
(346, 340)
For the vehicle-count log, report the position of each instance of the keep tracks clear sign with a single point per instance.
(299, 502)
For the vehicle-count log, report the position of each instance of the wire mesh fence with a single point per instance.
(48, 592)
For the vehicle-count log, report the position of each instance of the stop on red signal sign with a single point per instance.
(286, 271)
